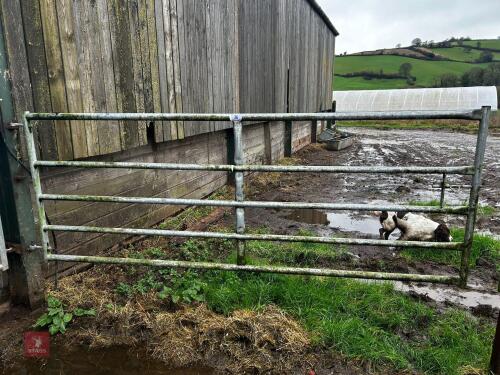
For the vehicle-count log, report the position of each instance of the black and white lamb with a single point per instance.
(413, 227)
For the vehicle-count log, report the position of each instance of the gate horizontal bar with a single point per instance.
(255, 237)
(347, 116)
(458, 210)
(250, 268)
(466, 170)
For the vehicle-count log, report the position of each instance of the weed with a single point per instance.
(56, 319)
(154, 253)
(195, 250)
(185, 288)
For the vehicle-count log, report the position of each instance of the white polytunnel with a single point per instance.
(452, 98)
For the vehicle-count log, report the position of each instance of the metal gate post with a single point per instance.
(239, 187)
(37, 185)
(474, 194)
(25, 276)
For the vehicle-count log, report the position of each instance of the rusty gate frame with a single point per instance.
(30, 121)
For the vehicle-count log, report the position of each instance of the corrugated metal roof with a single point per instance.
(417, 99)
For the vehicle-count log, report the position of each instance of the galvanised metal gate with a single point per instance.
(239, 203)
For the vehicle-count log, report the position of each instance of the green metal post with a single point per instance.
(25, 274)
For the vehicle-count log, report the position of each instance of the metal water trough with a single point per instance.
(336, 140)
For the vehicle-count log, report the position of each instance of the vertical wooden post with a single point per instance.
(230, 153)
(267, 143)
(314, 131)
(288, 139)
(332, 123)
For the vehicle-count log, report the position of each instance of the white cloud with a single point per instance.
(369, 24)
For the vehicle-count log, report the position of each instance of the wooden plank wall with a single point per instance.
(284, 41)
(161, 55)
(153, 57)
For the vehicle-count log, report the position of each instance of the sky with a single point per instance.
(371, 24)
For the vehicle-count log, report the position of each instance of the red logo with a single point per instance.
(36, 344)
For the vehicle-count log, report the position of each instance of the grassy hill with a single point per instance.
(485, 43)
(456, 59)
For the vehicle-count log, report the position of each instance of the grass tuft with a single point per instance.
(482, 246)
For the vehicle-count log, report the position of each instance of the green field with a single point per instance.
(424, 70)
(485, 43)
(359, 83)
(460, 54)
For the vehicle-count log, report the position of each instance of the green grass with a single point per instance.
(359, 83)
(482, 246)
(369, 322)
(459, 53)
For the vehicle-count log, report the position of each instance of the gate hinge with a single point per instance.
(13, 126)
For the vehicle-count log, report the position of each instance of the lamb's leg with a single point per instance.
(381, 231)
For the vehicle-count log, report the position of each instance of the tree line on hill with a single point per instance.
(485, 56)
(447, 43)
(489, 76)
(404, 72)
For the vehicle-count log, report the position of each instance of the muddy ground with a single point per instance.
(399, 148)
(373, 147)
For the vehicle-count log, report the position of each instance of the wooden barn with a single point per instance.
(200, 56)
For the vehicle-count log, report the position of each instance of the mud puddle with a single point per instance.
(466, 298)
(343, 222)
(107, 361)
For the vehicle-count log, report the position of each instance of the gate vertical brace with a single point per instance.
(239, 188)
(37, 184)
(474, 194)
(26, 278)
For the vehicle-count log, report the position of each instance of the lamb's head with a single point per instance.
(442, 233)
(388, 222)
(387, 219)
